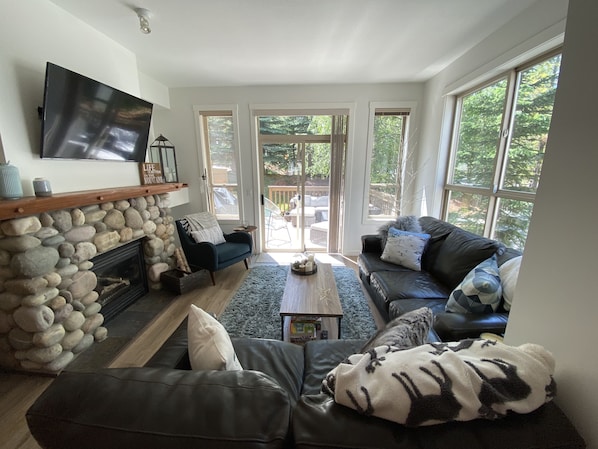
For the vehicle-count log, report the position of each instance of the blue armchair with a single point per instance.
(238, 247)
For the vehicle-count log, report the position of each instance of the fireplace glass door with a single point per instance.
(122, 278)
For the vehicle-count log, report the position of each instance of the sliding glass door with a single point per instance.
(296, 154)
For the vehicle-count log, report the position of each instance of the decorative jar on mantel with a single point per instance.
(10, 182)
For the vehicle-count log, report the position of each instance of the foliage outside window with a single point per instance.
(501, 131)
(219, 152)
(387, 162)
(295, 146)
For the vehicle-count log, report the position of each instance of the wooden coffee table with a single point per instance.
(313, 295)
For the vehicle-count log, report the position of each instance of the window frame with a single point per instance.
(407, 107)
(495, 193)
(229, 110)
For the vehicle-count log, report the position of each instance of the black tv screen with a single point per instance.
(85, 119)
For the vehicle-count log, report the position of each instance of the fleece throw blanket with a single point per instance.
(442, 382)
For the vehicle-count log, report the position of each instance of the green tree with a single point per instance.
(386, 156)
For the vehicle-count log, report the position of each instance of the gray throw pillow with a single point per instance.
(404, 332)
(409, 223)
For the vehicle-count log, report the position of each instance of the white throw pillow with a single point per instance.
(213, 235)
(405, 248)
(209, 345)
(509, 272)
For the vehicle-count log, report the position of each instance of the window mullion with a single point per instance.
(507, 130)
(502, 153)
(454, 140)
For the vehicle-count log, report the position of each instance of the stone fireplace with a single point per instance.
(71, 262)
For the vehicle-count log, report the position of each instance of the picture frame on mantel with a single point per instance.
(151, 173)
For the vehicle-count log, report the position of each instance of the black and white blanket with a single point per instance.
(441, 382)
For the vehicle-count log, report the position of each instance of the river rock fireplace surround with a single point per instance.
(50, 306)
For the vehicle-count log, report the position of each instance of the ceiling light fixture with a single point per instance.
(144, 16)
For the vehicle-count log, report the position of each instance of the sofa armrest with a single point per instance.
(457, 326)
(161, 408)
(371, 243)
(239, 237)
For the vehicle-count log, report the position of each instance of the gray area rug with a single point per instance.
(254, 309)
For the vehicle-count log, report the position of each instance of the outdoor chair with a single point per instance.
(275, 222)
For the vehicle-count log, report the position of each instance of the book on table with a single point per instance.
(304, 329)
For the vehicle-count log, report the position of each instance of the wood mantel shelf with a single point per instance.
(31, 205)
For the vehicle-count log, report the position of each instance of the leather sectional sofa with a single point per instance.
(275, 402)
(450, 254)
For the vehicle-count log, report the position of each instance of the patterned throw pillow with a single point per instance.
(404, 332)
(479, 292)
(405, 248)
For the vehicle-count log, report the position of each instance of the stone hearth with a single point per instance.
(48, 303)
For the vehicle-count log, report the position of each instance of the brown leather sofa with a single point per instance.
(449, 255)
(275, 402)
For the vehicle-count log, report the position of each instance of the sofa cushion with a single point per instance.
(403, 306)
(319, 422)
(282, 361)
(405, 248)
(457, 326)
(439, 230)
(174, 352)
(323, 355)
(407, 285)
(369, 263)
(406, 331)
(157, 408)
(209, 344)
(459, 254)
(479, 292)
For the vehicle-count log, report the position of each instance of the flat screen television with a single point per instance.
(85, 119)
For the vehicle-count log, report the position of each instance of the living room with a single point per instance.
(35, 32)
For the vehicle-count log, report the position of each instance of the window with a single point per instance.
(498, 147)
(218, 129)
(388, 157)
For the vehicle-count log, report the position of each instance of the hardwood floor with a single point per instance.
(19, 391)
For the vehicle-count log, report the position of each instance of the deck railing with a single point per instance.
(282, 195)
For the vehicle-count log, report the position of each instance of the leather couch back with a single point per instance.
(157, 408)
(452, 252)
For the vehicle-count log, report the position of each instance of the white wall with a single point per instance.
(555, 300)
(179, 125)
(31, 33)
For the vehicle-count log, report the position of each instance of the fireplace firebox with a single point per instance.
(122, 278)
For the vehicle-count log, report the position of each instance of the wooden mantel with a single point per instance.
(32, 205)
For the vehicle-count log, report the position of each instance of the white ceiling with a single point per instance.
(282, 42)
